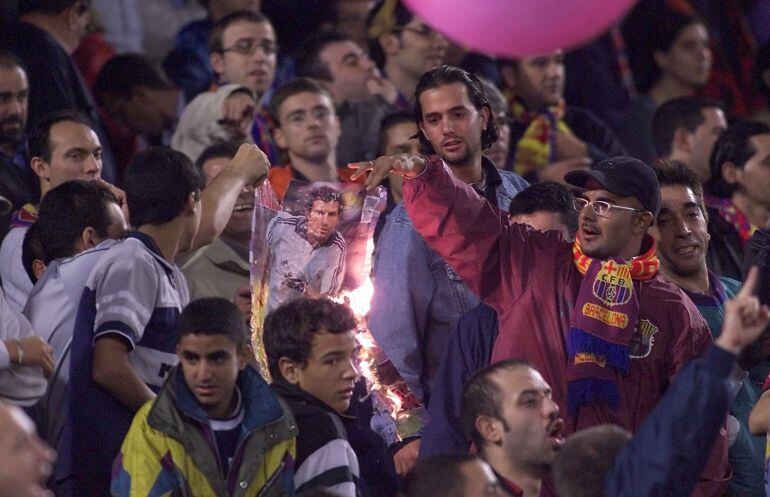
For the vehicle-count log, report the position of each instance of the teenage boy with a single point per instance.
(310, 347)
(215, 426)
(124, 336)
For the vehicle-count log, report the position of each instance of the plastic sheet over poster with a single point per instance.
(319, 242)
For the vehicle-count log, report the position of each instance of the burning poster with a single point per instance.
(320, 243)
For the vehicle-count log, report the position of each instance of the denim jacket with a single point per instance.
(418, 298)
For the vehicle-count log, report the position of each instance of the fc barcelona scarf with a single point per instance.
(602, 323)
(535, 148)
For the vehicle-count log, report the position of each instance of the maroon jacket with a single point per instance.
(530, 279)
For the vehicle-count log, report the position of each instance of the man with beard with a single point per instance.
(418, 298)
(571, 309)
(665, 455)
(508, 412)
(307, 253)
(221, 268)
(17, 182)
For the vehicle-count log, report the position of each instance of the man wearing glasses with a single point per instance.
(188, 65)
(403, 46)
(573, 310)
(243, 52)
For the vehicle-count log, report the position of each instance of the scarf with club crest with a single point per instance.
(602, 324)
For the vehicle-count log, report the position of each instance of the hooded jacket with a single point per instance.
(170, 448)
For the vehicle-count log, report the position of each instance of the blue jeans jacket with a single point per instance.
(418, 298)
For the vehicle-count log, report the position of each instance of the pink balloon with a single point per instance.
(516, 28)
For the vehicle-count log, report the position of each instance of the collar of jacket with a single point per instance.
(295, 393)
(259, 403)
(177, 414)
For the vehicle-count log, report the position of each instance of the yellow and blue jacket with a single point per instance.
(170, 450)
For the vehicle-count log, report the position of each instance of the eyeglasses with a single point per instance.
(422, 31)
(600, 207)
(247, 46)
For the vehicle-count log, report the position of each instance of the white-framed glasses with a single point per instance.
(600, 207)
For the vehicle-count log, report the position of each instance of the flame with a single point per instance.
(360, 299)
(366, 340)
(388, 397)
(394, 400)
(369, 256)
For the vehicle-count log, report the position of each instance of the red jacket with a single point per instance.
(530, 279)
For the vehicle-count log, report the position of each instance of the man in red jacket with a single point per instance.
(594, 317)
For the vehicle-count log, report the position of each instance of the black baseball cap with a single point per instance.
(624, 176)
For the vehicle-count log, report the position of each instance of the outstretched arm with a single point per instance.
(670, 449)
(491, 255)
(249, 166)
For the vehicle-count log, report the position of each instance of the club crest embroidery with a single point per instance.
(613, 284)
(642, 340)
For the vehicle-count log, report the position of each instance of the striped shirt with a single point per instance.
(297, 266)
(325, 458)
(51, 309)
(132, 293)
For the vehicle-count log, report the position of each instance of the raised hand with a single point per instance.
(745, 318)
(252, 162)
(406, 165)
(238, 113)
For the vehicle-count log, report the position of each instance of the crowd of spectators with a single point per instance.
(571, 271)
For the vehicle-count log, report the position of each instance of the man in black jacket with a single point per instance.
(311, 352)
(738, 199)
